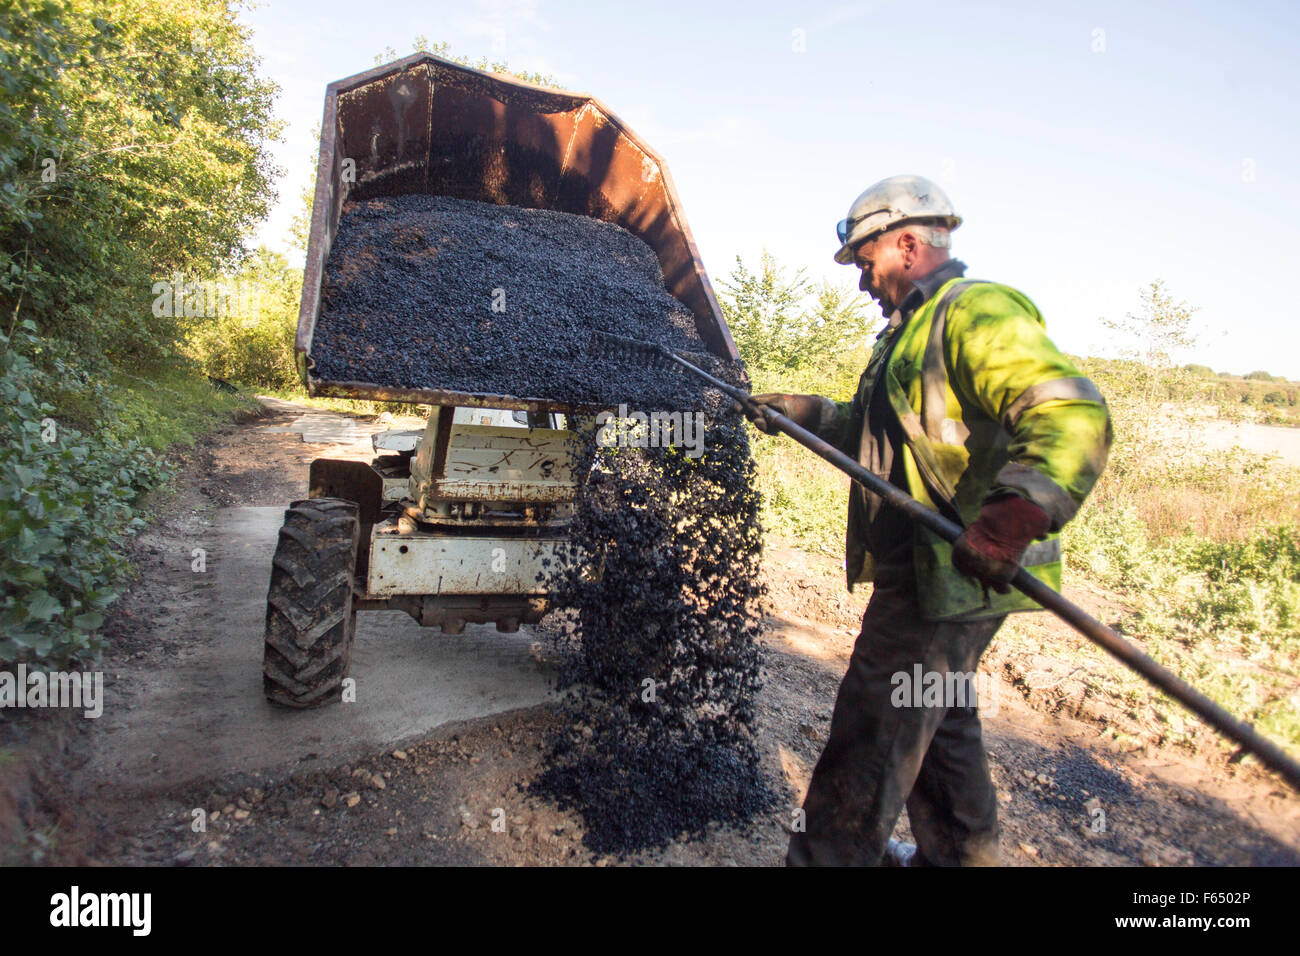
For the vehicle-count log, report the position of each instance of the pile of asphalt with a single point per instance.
(428, 292)
(662, 648)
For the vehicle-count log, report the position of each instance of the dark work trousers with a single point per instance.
(879, 757)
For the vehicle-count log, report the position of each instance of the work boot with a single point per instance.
(898, 853)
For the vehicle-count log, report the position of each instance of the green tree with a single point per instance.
(788, 331)
(133, 151)
(1150, 342)
(300, 228)
(1159, 333)
(1146, 451)
(133, 145)
(250, 339)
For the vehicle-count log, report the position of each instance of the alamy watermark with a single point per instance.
(191, 298)
(53, 689)
(632, 429)
(921, 688)
(131, 911)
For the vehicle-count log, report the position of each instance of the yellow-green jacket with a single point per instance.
(987, 405)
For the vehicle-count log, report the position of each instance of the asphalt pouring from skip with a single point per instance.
(662, 641)
(661, 611)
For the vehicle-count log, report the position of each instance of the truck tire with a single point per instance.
(310, 623)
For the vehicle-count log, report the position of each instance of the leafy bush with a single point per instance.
(1108, 545)
(1253, 585)
(134, 144)
(788, 331)
(253, 344)
(66, 508)
(805, 499)
(798, 338)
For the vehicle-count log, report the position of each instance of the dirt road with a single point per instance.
(189, 765)
(187, 705)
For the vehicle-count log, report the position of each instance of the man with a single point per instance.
(970, 408)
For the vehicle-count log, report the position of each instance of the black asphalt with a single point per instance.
(429, 292)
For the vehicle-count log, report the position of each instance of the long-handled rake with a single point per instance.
(659, 357)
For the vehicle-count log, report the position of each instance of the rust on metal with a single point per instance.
(504, 491)
(452, 612)
(425, 124)
(439, 396)
(351, 481)
(440, 445)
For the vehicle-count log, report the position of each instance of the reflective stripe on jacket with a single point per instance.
(988, 406)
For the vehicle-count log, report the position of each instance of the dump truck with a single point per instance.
(454, 524)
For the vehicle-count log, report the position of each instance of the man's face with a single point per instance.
(862, 258)
(881, 262)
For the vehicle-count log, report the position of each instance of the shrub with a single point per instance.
(1108, 544)
(254, 346)
(1254, 585)
(66, 508)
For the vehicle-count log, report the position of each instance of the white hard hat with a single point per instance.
(889, 203)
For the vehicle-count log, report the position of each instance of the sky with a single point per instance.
(1090, 148)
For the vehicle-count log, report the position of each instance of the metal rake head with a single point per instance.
(619, 348)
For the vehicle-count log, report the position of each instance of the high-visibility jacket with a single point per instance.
(987, 405)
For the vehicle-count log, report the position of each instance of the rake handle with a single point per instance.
(1166, 680)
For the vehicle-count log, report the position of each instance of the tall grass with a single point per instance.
(805, 499)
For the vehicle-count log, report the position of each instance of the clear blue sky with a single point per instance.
(1090, 147)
